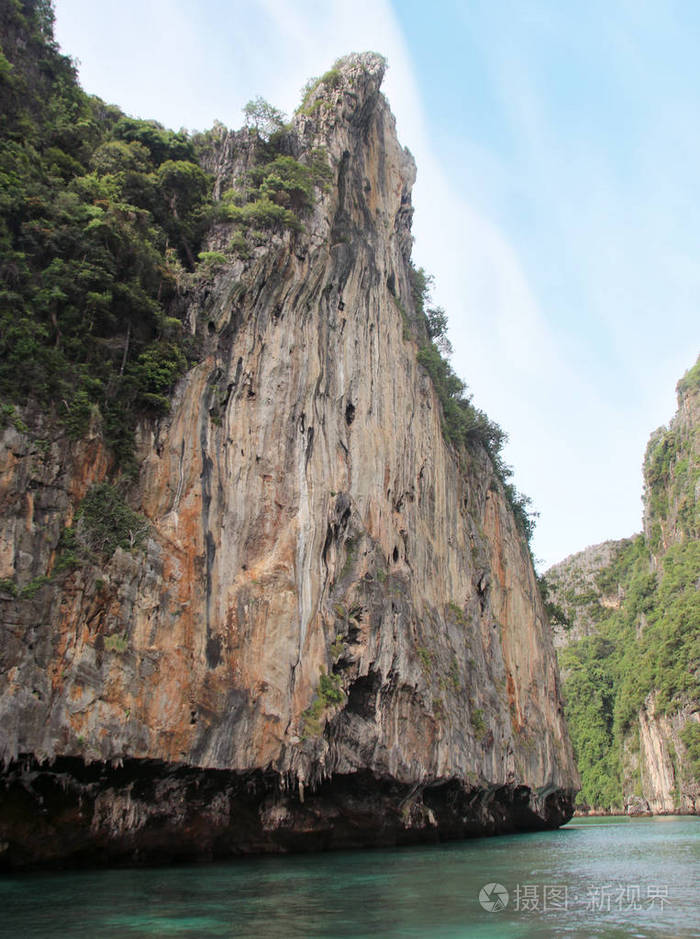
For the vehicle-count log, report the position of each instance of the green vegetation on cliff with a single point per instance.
(646, 644)
(102, 224)
(102, 221)
(463, 424)
(651, 644)
(279, 191)
(100, 214)
(590, 667)
(672, 474)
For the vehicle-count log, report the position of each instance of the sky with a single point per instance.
(557, 146)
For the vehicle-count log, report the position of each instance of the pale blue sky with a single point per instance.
(558, 147)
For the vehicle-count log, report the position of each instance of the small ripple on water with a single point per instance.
(408, 892)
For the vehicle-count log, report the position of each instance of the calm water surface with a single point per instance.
(595, 877)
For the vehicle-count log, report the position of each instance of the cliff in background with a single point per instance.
(582, 595)
(312, 622)
(630, 656)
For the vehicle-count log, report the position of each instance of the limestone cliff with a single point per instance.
(332, 633)
(630, 659)
(659, 773)
(576, 587)
(672, 474)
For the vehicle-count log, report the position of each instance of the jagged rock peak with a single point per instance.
(349, 92)
(370, 65)
(362, 72)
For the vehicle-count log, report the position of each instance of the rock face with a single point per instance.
(643, 578)
(661, 769)
(672, 474)
(655, 770)
(574, 585)
(333, 635)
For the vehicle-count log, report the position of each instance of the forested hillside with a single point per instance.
(632, 685)
(101, 216)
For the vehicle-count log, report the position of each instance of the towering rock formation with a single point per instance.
(330, 633)
(671, 470)
(661, 772)
(638, 599)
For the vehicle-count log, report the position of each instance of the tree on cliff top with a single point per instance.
(263, 118)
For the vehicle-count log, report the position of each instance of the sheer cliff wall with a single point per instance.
(630, 656)
(333, 634)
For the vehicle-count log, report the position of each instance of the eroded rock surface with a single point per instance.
(654, 744)
(306, 519)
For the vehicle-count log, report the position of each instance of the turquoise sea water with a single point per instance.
(594, 877)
